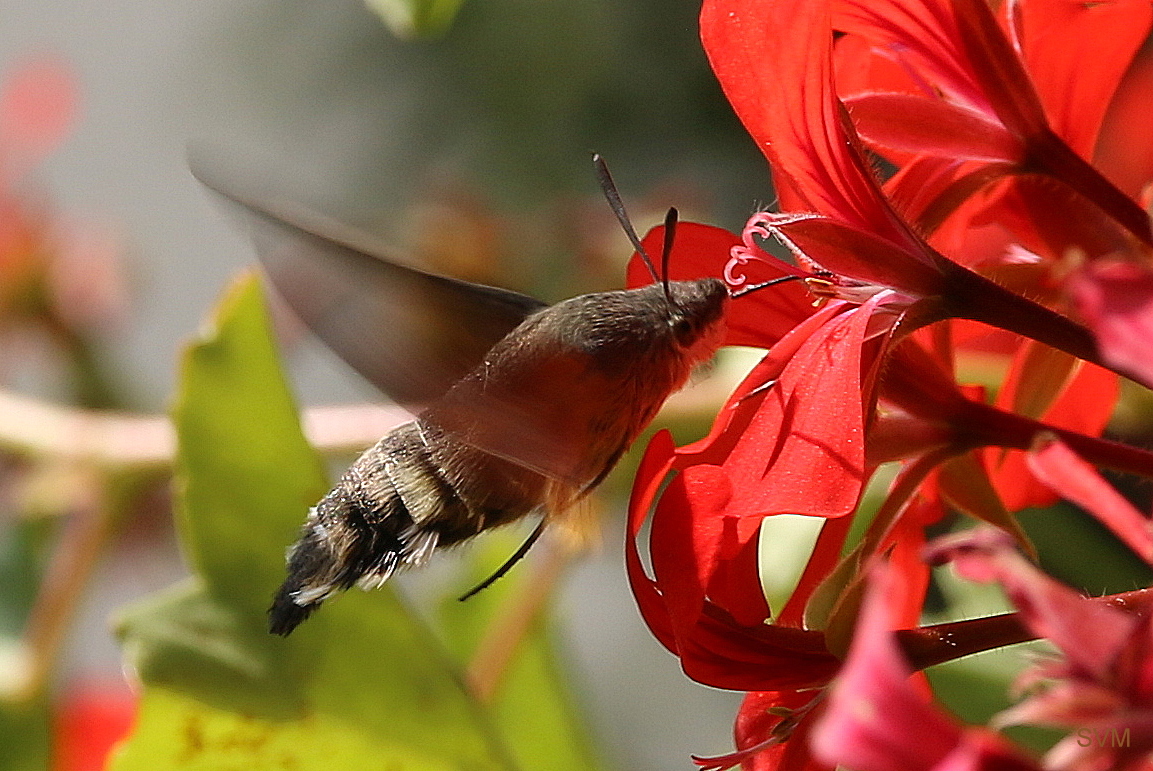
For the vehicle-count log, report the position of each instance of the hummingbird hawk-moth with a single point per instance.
(521, 407)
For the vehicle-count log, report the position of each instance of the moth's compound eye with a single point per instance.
(683, 327)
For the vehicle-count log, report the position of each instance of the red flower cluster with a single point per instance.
(992, 230)
(55, 273)
(1098, 686)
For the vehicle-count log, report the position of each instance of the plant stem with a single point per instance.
(1001, 428)
(974, 297)
(119, 441)
(512, 623)
(77, 550)
(1054, 157)
(939, 643)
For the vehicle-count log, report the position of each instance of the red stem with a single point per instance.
(990, 426)
(939, 643)
(1050, 155)
(970, 296)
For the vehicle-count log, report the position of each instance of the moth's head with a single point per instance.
(696, 312)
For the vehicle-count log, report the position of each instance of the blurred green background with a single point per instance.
(468, 149)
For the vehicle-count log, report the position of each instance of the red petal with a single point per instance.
(802, 451)
(651, 473)
(723, 654)
(1084, 403)
(983, 750)
(90, 720)
(929, 189)
(997, 69)
(759, 714)
(1116, 300)
(1018, 226)
(914, 124)
(1061, 217)
(1074, 74)
(907, 560)
(781, 87)
(714, 648)
(685, 541)
(859, 68)
(860, 254)
(1124, 152)
(1077, 481)
(965, 484)
(876, 720)
(956, 47)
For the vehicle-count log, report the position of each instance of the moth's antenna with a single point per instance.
(667, 250)
(746, 289)
(609, 188)
(517, 556)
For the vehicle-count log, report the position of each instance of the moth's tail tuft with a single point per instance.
(349, 539)
(286, 614)
(313, 573)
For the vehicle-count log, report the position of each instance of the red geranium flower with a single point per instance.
(959, 103)
(866, 375)
(976, 101)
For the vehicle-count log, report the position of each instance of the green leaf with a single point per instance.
(532, 707)
(363, 685)
(1077, 549)
(967, 487)
(22, 556)
(977, 687)
(244, 471)
(416, 18)
(186, 640)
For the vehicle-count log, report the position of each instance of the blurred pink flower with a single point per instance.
(1102, 682)
(878, 719)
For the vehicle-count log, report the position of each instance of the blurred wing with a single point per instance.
(542, 420)
(545, 403)
(410, 333)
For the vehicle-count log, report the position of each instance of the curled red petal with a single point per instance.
(714, 646)
(723, 654)
(687, 527)
(651, 473)
(757, 319)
